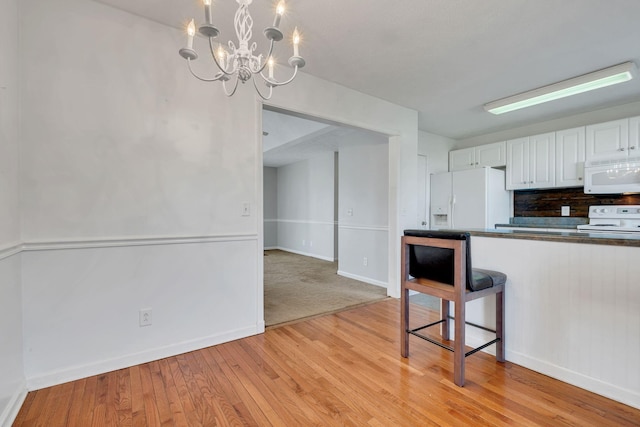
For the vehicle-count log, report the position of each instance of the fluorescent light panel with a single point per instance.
(596, 80)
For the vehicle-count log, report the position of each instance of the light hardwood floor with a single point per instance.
(340, 369)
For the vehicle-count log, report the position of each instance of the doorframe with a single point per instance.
(394, 213)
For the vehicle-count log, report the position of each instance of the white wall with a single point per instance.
(306, 206)
(363, 214)
(12, 380)
(270, 209)
(436, 148)
(132, 189)
(142, 179)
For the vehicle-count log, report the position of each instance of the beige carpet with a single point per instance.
(297, 287)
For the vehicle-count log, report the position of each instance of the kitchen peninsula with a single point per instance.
(572, 306)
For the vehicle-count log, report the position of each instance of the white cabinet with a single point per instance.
(570, 157)
(608, 141)
(488, 155)
(634, 137)
(531, 162)
(462, 159)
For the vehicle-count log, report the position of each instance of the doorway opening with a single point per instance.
(326, 205)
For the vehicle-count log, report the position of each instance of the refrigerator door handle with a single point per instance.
(453, 208)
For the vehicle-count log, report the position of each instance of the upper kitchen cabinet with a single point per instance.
(488, 155)
(610, 140)
(570, 157)
(531, 162)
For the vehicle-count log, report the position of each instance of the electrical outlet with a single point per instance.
(304, 242)
(350, 212)
(365, 261)
(565, 211)
(145, 317)
(310, 243)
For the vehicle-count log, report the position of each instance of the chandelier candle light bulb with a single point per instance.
(222, 54)
(191, 31)
(279, 12)
(207, 11)
(270, 68)
(296, 42)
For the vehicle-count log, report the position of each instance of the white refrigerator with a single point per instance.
(473, 198)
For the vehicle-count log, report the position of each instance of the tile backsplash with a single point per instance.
(548, 203)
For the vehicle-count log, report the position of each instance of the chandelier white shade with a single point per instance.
(240, 64)
(598, 79)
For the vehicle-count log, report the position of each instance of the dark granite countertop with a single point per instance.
(612, 239)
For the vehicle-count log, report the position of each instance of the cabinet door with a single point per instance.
(462, 159)
(606, 141)
(634, 137)
(492, 155)
(517, 164)
(570, 149)
(542, 165)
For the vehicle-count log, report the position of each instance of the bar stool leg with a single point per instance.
(446, 325)
(458, 345)
(404, 323)
(500, 326)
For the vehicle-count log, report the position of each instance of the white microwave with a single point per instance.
(612, 177)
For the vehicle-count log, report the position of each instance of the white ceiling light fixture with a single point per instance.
(240, 62)
(598, 79)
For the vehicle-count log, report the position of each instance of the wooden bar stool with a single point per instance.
(438, 263)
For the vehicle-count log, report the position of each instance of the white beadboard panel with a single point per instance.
(312, 238)
(81, 305)
(572, 311)
(357, 243)
(12, 379)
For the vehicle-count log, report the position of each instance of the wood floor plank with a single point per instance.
(343, 369)
(138, 416)
(124, 413)
(152, 417)
(175, 404)
(183, 393)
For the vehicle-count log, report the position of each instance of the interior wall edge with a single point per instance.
(13, 406)
(9, 250)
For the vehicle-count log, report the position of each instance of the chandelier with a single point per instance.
(240, 63)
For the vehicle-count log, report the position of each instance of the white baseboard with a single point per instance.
(611, 391)
(362, 279)
(270, 248)
(78, 372)
(293, 251)
(10, 412)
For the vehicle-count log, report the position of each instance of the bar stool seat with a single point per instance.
(438, 263)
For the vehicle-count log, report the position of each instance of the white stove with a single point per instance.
(613, 219)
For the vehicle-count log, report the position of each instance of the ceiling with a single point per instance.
(445, 58)
(289, 139)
